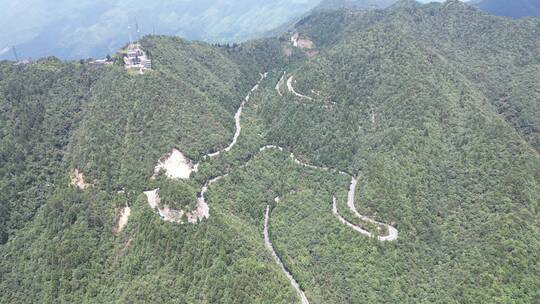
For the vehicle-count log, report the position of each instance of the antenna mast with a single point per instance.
(15, 53)
(137, 30)
(130, 37)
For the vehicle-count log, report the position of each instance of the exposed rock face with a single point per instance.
(301, 42)
(122, 219)
(176, 165)
(176, 216)
(77, 180)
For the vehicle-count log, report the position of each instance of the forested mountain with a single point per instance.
(431, 110)
(514, 8)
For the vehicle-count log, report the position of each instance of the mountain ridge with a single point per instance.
(429, 110)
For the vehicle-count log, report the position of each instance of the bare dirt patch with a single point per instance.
(301, 42)
(177, 216)
(122, 219)
(77, 180)
(176, 165)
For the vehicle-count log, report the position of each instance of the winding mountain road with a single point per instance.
(270, 247)
(291, 89)
(278, 85)
(392, 232)
(201, 200)
(238, 126)
(327, 105)
(203, 210)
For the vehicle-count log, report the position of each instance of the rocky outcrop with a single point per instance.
(122, 219)
(177, 216)
(77, 180)
(176, 165)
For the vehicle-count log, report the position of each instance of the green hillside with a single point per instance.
(435, 157)
(124, 125)
(41, 107)
(433, 109)
(496, 55)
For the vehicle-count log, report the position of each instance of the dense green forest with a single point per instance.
(40, 109)
(434, 108)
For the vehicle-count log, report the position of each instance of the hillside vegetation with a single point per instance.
(433, 108)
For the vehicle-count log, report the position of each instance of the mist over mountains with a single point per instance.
(513, 8)
(81, 29)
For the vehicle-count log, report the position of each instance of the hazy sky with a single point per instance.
(426, 1)
(74, 29)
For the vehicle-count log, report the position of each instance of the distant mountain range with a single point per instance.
(83, 29)
(510, 8)
(87, 28)
(354, 4)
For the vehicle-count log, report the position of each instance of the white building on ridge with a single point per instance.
(136, 58)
